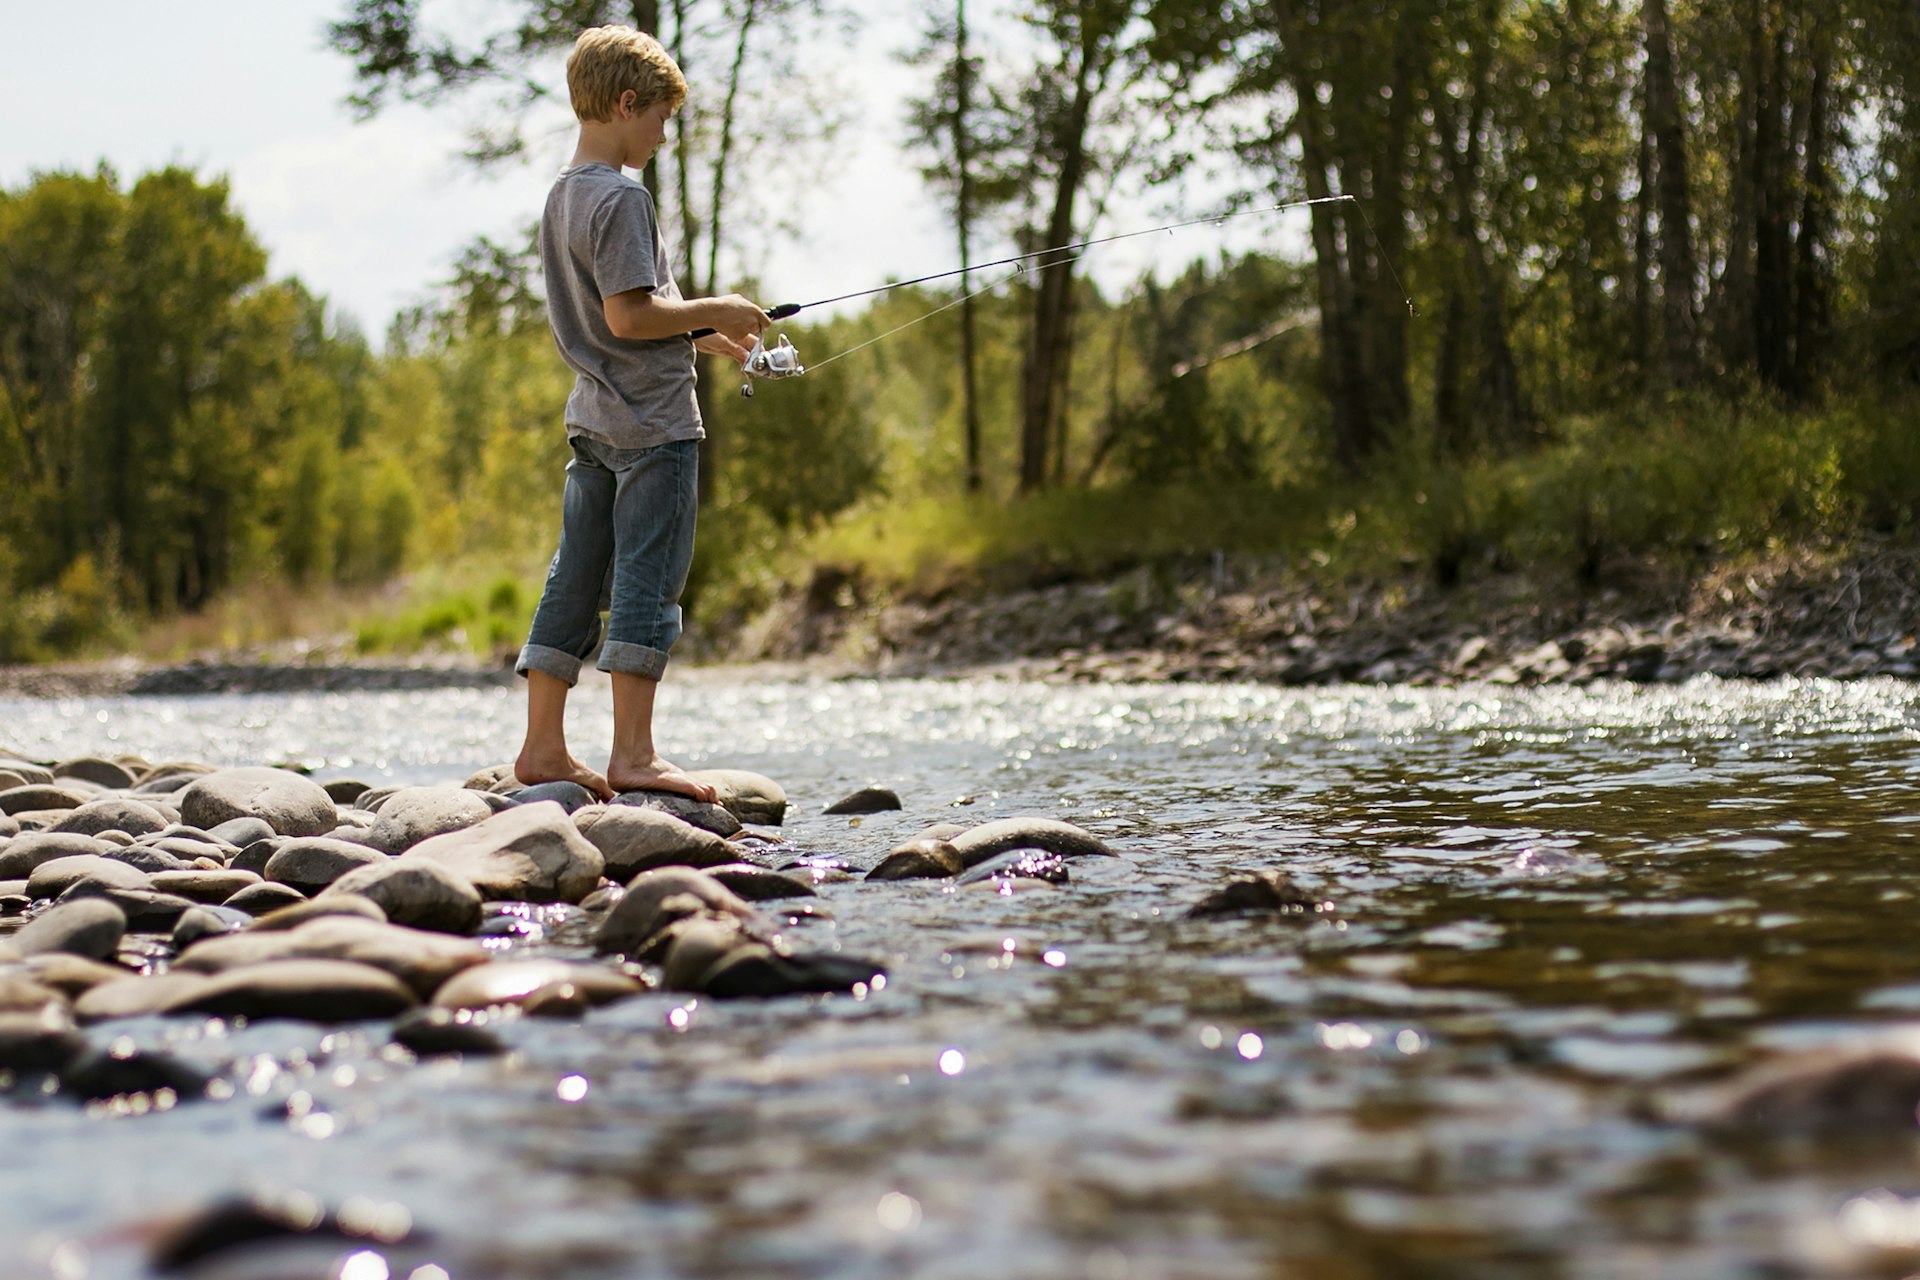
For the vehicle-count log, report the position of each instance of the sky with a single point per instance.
(372, 214)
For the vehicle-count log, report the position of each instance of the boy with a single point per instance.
(628, 513)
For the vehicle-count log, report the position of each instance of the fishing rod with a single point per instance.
(782, 361)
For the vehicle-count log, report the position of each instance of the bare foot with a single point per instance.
(532, 769)
(658, 775)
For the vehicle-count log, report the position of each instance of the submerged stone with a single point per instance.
(977, 844)
(865, 800)
(1260, 893)
(920, 860)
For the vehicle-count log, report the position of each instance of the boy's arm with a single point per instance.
(638, 313)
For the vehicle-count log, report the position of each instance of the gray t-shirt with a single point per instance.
(599, 237)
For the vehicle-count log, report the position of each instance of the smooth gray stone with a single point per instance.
(757, 884)
(290, 804)
(373, 799)
(312, 863)
(21, 854)
(31, 1044)
(413, 814)
(1018, 864)
(710, 817)
(313, 990)
(136, 997)
(9, 826)
(238, 833)
(190, 849)
(632, 839)
(51, 879)
(38, 775)
(202, 885)
(748, 796)
(71, 975)
(113, 814)
(568, 795)
(295, 914)
(145, 910)
(259, 899)
(422, 960)
(38, 796)
(254, 857)
(207, 922)
(88, 927)
(657, 898)
(415, 892)
(866, 800)
(166, 784)
(529, 853)
(763, 974)
(977, 844)
(526, 983)
(345, 791)
(490, 777)
(146, 858)
(110, 774)
(921, 859)
(20, 993)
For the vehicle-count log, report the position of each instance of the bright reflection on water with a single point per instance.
(1551, 908)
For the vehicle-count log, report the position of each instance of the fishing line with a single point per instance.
(1018, 271)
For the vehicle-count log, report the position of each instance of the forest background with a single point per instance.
(1623, 284)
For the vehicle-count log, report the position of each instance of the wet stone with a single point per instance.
(88, 927)
(313, 990)
(33, 1044)
(655, 899)
(1019, 864)
(422, 960)
(251, 1228)
(757, 884)
(1260, 893)
(259, 899)
(20, 855)
(137, 997)
(433, 1032)
(207, 922)
(632, 839)
(921, 859)
(708, 817)
(122, 1068)
(528, 982)
(530, 853)
(977, 844)
(866, 800)
(293, 915)
(145, 910)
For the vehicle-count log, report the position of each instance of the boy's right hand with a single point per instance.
(738, 317)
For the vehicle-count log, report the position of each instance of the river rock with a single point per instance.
(530, 853)
(72, 975)
(295, 914)
(710, 817)
(920, 859)
(312, 863)
(312, 990)
(433, 1031)
(259, 899)
(415, 892)
(422, 960)
(202, 885)
(1259, 893)
(207, 922)
(1869, 1090)
(146, 911)
(121, 1069)
(490, 777)
(632, 839)
(9, 826)
(32, 1044)
(137, 997)
(757, 884)
(976, 844)
(748, 796)
(1018, 864)
(20, 994)
(256, 856)
(238, 833)
(52, 878)
(716, 956)
(110, 774)
(145, 858)
(113, 814)
(290, 804)
(656, 898)
(20, 855)
(34, 774)
(42, 796)
(866, 800)
(85, 927)
(345, 791)
(413, 814)
(527, 983)
(190, 849)
(568, 795)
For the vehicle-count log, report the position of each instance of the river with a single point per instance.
(1549, 912)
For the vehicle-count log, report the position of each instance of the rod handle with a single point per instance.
(780, 312)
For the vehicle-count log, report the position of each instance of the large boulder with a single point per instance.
(413, 814)
(290, 804)
(529, 853)
(313, 863)
(416, 892)
(632, 839)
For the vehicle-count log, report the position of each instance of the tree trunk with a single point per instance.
(1772, 248)
(963, 219)
(1812, 292)
(1678, 266)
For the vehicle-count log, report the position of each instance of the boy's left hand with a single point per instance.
(719, 344)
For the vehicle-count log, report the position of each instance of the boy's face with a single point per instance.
(647, 129)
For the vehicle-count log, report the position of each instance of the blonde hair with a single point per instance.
(607, 61)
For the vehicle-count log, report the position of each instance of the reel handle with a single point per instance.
(780, 312)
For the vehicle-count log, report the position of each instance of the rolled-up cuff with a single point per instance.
(557, 663)
(632, 659)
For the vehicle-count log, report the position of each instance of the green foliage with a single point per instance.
(483, 618)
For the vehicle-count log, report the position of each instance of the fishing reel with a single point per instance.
(777, 361)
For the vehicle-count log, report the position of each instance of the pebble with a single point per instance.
(72, 975)
(241, 832)
(42, 796)
(345, 791)
(976, 844)
(122, 1068)
(51, 878)
(89, 927)
(866, 800)
(145, 910)
(207, 922)
(256, 856)
(110, 774)
(293, 915)
(203, 885)
(424, 961)
(137, 997)
(29, 849)
(568, 795)
(1019, 864)
(34, 1043)
(22, 994)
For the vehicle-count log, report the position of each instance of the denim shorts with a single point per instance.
(626, 543)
